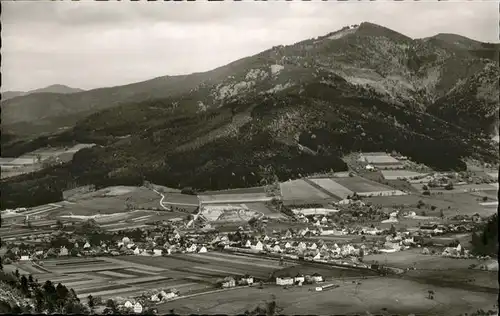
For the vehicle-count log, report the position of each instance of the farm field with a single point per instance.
(216, 264)
(399, 296)
(262, 208)
(333, 187)
(301, 191)
(362, 185)
(234, 198)
(180, 199)
(109, 277)
(252, 190)
(379, 158)
(396, 174)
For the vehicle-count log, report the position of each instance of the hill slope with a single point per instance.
(56, 88)
(412, 71)
(298, 109)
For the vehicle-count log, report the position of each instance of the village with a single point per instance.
(166, 245)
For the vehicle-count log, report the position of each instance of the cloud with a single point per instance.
(94, 44)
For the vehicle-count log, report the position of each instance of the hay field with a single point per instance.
(362, 185)
(397, 174)
(333, 187)
(300, 190)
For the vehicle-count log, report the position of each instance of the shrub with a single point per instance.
(426, 193)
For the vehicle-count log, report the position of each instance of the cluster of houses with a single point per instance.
(299, 279)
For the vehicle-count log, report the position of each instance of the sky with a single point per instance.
(100, 44)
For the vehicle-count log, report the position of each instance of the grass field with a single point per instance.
(333, 187)
(362, 185)
(379, 158)
(228, 198)
(396, 174)
(252, 190)
(262, 208)
(300, 190)
(398, 296)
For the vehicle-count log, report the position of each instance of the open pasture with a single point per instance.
(398, 296)
(300, 190)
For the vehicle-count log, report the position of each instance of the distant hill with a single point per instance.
(55, 88)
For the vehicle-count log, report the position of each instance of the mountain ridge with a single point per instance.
(55, 88)
(415, 51)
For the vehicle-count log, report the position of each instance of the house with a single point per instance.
(370, 167)
(191, 248)
(299, 278)
(258, 246)
(313, 246)
(86, 246)
(63, 251)
(157, 252)
(302, 246)
(324, 220)
(137, 251)
(246, 280)
(316, 277)
(228, 282)
(128, 304)
(284, 281)
(248, 244)
(317, 256)
(266, 238)
(25, 258)
(138, 308)
(288, 245)
(276, 248)
(202, 249)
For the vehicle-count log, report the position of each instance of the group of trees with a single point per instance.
(485, 242)
(47, 298)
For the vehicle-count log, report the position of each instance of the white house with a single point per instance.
(324, 220)
(25, 258)
(288, 245)
(191, 248)
(299, 278)
(302, 246)
(86, 246)
(266, 238)
(248, 244)
(313, 246)
(228, 282)
(258, 246)
(247, 280)
(317, 256)
(137, 308)
(137, 251)
(128, 304)
(284, 281)
(157, 252)
(316, 277)
(203, 249)
(370, 167)
(276, 248)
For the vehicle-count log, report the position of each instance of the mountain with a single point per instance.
(294, 109)
(56, 88)
(411, 71)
